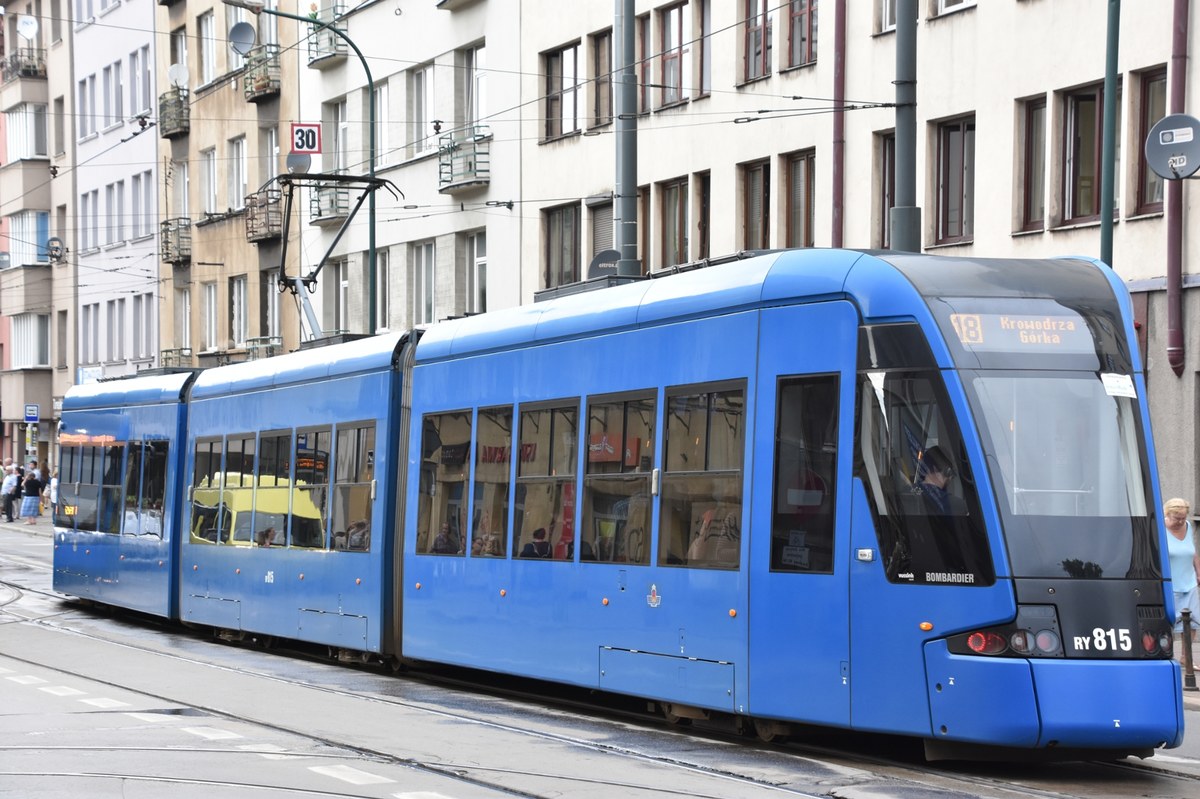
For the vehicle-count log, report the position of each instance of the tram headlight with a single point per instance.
(1048, 642)
(1021, 642)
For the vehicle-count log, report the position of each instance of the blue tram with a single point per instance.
(878, 491)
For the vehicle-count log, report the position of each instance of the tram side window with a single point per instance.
(87, 488)
(237, 486)
(354, 473)
(919, 481)
(489, 514)
(112, 504)
(272, 491)
(546, 483)
(445, 443)
(149, 519)
(132, 488)
(616, 485)
(69, 465)
(311, 488)
(208, 519)
(700, 521)
(804, 488)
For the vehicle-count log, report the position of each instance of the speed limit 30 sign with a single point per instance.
(306, 138)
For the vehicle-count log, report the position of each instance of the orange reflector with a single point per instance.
(237, 571)
(732, 613)
(195, 567)
(418, 586)
(358, 581)
(926, 626)
(301, 575)
(503, 592)
(604, 601)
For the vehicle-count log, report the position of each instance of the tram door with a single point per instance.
(799, 586)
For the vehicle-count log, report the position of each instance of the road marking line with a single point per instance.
(149, 716)
(5, 671)
(104, 702)
(211, 733)
(351, 775)
(26, 679)
(62, 690)
(419, 795)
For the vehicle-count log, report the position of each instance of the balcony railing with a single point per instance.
(263, 347)
(264, 215)
(174, 113)
(464, 159)
(25, 62)
(176, 241)
(181, 356)
(260, 80)
(329, 204)
(326, 48)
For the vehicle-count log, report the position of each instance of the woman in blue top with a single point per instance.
(1185, 562)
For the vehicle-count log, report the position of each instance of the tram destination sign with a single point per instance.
(1008, 332)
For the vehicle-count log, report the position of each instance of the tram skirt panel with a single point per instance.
(981, 700)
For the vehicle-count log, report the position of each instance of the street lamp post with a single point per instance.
(259, 7)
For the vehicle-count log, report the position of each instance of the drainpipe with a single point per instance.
(1174, 195)
(839, 122)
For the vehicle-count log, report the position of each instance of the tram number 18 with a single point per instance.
(1103, 640)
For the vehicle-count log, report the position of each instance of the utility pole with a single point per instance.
(906, 214)
(625, 90)
(1109, 155)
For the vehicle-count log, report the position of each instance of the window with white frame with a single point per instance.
(27, 131)
(340, 285)
(89, 333)
(886, 15)
(147, 215)
(210, 312)
(206, 28)
(475, 73)
(116, 329)
(239, 321)
(422, 281)
(30, 340)
(952, 5)
(561, 91)
(85, 107)
(143, 325)
(208, 180)
(183, 318)
(339, 126)
(114, 94)
(268, 140)
(421, 137)
(675, 24)
(178, 178)
(383, 306)
(234, 15)
(383, 122)
(114, 201)
(27, 235)
(269, 294)
(237, 172)
(801, 168)
(268, 24)
(89, 220)
(477, 272)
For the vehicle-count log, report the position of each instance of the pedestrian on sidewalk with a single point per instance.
(9, 489)
(1184, 560)
(32, 497)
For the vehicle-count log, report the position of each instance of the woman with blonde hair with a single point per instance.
(1184, 559)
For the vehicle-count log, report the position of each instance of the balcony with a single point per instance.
(326, 48)
(263, 347)
(260, 80)
(329, 205)
(181, 356)
(264, 215)
(26, 287)
(25, 62)
(175, 241)
(464, 159)
(174, 113)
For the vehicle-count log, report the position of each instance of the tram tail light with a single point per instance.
(987, 642)
(1034, 634)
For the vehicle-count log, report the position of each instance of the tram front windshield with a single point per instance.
(1065, 459)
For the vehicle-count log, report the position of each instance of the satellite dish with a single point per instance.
(604, 263)
(1173, 147)
(27, 27)
(298, 163)
(178, 75)
(242, 37)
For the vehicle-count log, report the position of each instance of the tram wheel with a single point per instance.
(671, 716)
(770, 731)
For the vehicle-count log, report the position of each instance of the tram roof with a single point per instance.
(373, 353)
(134, 390)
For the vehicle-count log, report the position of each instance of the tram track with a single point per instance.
(903, 771)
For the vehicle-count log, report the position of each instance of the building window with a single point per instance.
(674, 59)
(1083, 152)
(341, 295)
(208, 47)
(383, 307)
(239, 321)
(756, 205)
(475, 83)
(268, 24)
(28, 233)
(800, 188)
(757, 39)
(1154, 108)
(27, 134)
(143, 325)
(268, 142)
(86, 106)
(208, 180)
(562, 246)
(143, 205)
(30, 340)
(178, 178)
(421, 136)
(209, 326)
(674, 200)
(562, 91)
(234, 15)
(602, 61)
(887, 187)
(63, 328)
(140, 86)
(115, 310)
(887, 15)
(601, 215)
(339, 125)
(114, 95)
(952, 5)
(89, 333)
(60, 126)
(641, 65)
(237, 172)
(802, 32)
(477, 272)
(383, 122)
(1033, 208)
(703, 214)
(114, 201)
(183, 317)
(422, 280)
(89, 220)
(956, 181)
(704, 45)
(269, 298)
